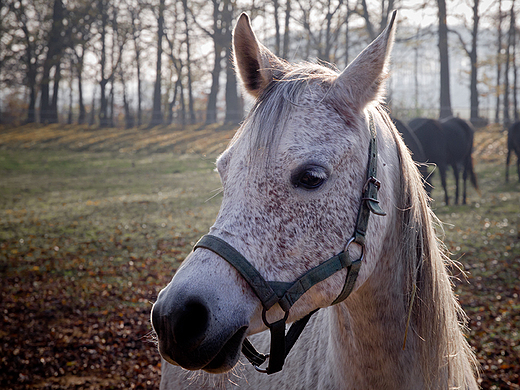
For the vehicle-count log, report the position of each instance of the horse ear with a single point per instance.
(363, 79)
(256, 65)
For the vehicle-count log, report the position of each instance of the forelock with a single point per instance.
(267, 119)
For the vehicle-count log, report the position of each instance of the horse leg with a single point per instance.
(456, 175)
(508, 160)
(442, 170)
(464, 178)
(518, 164)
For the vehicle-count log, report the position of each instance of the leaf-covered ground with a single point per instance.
(93, 224)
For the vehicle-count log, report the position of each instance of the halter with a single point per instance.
(287, 293)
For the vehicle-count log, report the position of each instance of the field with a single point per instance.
(93, 223)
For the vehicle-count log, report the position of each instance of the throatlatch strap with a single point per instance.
(255, 358)
(369, 201)
(350, 281)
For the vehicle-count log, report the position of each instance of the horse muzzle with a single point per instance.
(195, 331)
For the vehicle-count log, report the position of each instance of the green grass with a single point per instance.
(89, 236)
(87, 240)
(484, 237)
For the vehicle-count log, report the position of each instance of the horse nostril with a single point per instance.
(190, 324)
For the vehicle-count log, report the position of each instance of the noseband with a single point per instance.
(286, 293)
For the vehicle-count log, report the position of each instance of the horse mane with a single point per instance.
(436, 316)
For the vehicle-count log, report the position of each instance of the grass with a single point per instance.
(93, 223)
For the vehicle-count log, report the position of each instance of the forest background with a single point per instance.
(149, 62)
(113, 112)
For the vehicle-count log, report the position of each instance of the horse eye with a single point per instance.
(310, 179)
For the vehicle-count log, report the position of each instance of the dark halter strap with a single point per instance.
(287, 293)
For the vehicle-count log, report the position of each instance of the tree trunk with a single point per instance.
(211, 108)
(92, 116)
(347, 37)
(71, 83)
(129, 119)
(416, 71)
(233, 107)
(286, 31)
(103, 118)
(276, 28)
(183, 105)
(188, 63)
(515, 99)
(82, 111)
(328, 41)
(217, 36)
(507, 118)
(445, 100)
(31, 81)
(178, 85)
(368, 23)
(111, 104)
(55, 47)
(474, 116)
(157, 118)
(139, 93)
(53, 107)
(137, 48)
(499, 62)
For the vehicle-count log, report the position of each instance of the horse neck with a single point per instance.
(368, 331)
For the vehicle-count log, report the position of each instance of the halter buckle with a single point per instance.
(372, 180)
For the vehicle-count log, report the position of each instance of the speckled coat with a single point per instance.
(310, 118)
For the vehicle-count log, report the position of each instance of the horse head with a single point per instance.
(292, 181)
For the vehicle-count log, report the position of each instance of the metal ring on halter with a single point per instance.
(262, 370)
(264, 317)
(361, 245)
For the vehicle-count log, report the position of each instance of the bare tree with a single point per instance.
(103, 9)
(55, 48)
(472, 54)
(515, 73)
(176, 62)
(219, 36)
(499, 61)
(233, 105)
(277, 35)
(445, 100)
(386, 7)
(136, 25)
(286, 32)
(188, 61)
(106, 75)
(347, 32)
(510, 38)
(321, 39)
(33, 42)
(81, 17)
(157, 118)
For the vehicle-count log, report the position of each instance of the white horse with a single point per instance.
(295, 184)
